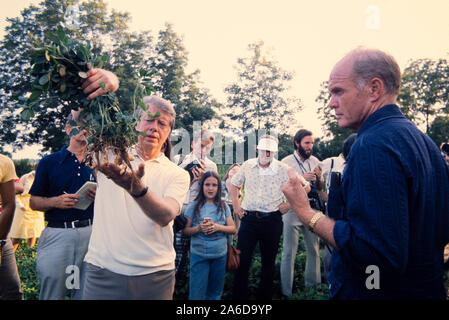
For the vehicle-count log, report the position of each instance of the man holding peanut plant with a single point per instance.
(131, 254)
(63, 243)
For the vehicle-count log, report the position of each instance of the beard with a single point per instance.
(263, 160)
(303, 153)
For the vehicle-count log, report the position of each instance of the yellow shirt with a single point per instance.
(7, 170)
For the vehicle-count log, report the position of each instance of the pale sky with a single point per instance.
(306, 37)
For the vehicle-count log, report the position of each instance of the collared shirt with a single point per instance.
(394, 217)
(60, 173)
(294, 161)
(7, 171)
(124, 239)
(211, 246)
(195, 188)
(262, 185)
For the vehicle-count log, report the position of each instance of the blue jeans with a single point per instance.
(206, 277)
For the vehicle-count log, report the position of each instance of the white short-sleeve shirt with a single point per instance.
(262, 185)
(124, 239)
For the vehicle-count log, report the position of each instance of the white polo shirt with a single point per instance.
(126, 241)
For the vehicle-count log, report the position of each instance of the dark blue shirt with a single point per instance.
(58, 173)
(391, 212)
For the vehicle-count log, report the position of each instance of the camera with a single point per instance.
(194, 164)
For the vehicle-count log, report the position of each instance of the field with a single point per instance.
(26, 258)
(30, 284)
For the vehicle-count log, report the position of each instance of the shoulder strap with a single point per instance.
(301, 166)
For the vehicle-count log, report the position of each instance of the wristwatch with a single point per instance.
(141, 194)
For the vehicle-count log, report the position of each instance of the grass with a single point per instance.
(26, 263)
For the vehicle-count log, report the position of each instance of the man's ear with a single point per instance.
(296, 144)
(376, 88)
(67, 130)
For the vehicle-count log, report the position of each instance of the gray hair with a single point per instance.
(160, 103)
(371, 63)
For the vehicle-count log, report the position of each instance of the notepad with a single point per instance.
(84, 202)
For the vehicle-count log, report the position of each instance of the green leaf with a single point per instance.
(143, 106)
(141, 133)
(44, 79)
(157, 115)
(27, 114)
(34, 95)
(103, 86)
(74, 132)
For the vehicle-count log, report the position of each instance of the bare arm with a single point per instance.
(18, 187)
(297, 197)
(234, 192)
(64, 201)
(161, 210)
(7, 194)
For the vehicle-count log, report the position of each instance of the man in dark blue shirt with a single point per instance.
(64, 242)
(391, 222)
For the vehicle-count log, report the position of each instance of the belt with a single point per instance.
(260, 214)
(70, 224)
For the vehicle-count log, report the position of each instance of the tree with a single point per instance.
(334, 134)
(170, 79)
(32, 30)
(424, 90)
(259, 100)
(439, 130)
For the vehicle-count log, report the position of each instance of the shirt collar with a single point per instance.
(386, 112)
(158, 159)
(273, 165)
(63, 154)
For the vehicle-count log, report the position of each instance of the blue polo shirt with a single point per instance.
(391, 214)
(58, 173)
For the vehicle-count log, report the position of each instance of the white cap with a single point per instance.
(268, 145)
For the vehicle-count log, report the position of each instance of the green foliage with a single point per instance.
(31, 30)
(58, 71)
(23, 166)
(174, 84)
(318, 292)
(26, 264)
(259, 100)
(424, 90)
(439, 130)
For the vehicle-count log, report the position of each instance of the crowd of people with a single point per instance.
(380, 208)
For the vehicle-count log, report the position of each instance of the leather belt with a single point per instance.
(260, 214)
(70, 224)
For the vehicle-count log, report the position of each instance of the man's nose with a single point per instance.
(332, 103)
